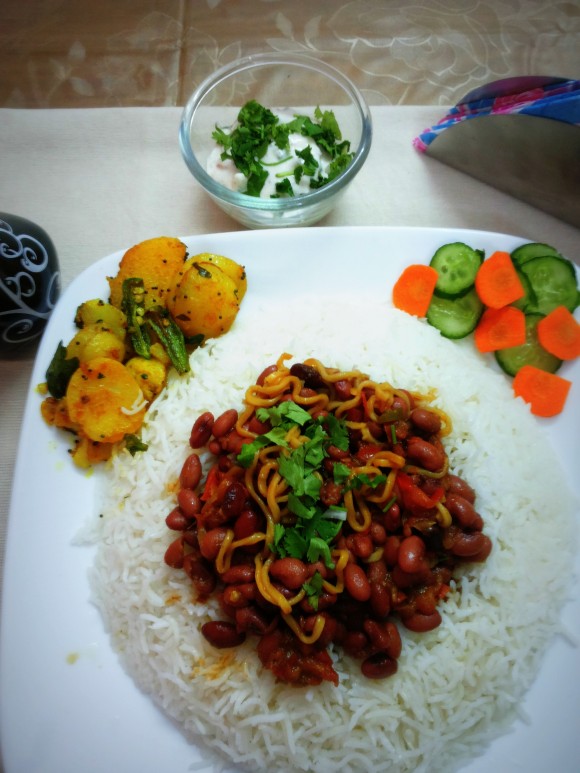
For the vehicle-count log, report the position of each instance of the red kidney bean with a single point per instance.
(425, 601)
(317, 566)
(375, 429)
(264, 374)
(189, 502)
(392, 518)
(391, 550)
(456, 485)
(355, 414)
(222, 634)
(380, 600)
(422, 623)
(330, 493)
(174, 554)
(210, 542)
(191, 472)
(377, 571)
(247, 523)
(232, 442)
(356, 583)
(484, 552)
(190, 536)
(400, 404)
(224, 423)
(234, 499)
(362, 545)
(411, 557)
(378, 666)
(241, 573)
(201, 430)
(377, 533)
(337, 453)
(468, 544)
(355, 643)
(407, 579)
(325, 600)
(306, 373)
(177, 520)
(463, 511)
(258, 427)
(291, 572)
(215, 447)
(426, 421)
(201, 576)
(253, 620)
(384, 636)
(425, 454)
(342, 389)
(241, 595)
(402, 431)
(328, 632)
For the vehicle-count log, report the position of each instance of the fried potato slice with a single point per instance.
(155, 261)
(105, 400)
(92, 341)
(208, 295)
(105, 315)
(151, 375)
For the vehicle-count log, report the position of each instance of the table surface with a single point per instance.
(97, 164)
(154, 52)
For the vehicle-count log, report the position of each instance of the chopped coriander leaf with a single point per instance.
(301, 507)
(313, 588)
(315, 526)
(341, 472)
(134, 444)
(286, 410)
(358, 481)
(319, 549)
(249, 450)
(284, 187)
(258, 128)
(337, 431)
(310, 163)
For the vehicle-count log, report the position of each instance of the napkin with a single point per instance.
(519, 135)
(559, 100)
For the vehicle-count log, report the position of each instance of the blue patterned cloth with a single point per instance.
(559, 101)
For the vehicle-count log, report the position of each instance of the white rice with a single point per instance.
(457, 687)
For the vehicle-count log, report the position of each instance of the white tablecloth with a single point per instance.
(102, 180)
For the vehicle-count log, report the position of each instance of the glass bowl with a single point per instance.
(276, 81)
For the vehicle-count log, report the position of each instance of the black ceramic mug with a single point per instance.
(29, 283)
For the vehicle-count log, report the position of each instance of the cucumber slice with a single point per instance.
(528, 300)
(553, 281)
(532, 250)
(531, 353)
(456, 264)
(455, 317)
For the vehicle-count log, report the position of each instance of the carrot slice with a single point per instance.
(413, 290)
(545, 392)
(497, 282)
(559, 334)
(500, 329)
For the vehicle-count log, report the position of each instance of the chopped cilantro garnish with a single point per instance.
(285, 187)
(310, 537)
(358, 481)
(257, 128)
(313, 588)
